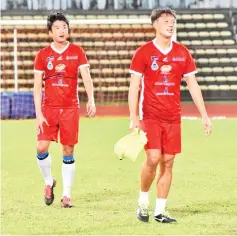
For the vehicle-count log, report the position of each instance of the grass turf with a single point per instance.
(105, 190)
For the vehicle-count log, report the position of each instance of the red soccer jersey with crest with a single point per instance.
(60, 74)
(161, 77)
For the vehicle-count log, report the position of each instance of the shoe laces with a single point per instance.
(144, 210)
(48, 191)
(66, 200)
(166, 213)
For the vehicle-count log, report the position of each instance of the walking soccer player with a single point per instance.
(158, 67)
(57, 67)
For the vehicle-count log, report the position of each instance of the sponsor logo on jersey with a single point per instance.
(71, 57)
(50, 65)
(178, 59)
(60, 58)
(154, 65)
(165, 82)
(51, 58)
(165, 93)
(166, 68)
(154, 58)
(60, 68)
(60, 84)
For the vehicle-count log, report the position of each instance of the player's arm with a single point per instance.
(87, 81)
(38, 81)
(133, 99)
(197, 97)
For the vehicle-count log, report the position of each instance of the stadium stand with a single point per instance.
(210, 36)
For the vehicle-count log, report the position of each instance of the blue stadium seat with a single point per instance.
(23, 105)
(5, 106)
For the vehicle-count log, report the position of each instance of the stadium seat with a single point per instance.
(219, 16)
(231, 78)
(197, 16)
(225, 33)
(210, 51)
(186, 16)
(221, 25)
(207, 16)
(214, 34)
(229, 42)
(214, 61)
(213, 87)
(200, 25)
(211, 25)
(224, 87)
(233, 87)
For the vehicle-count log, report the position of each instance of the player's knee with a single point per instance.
(68, 150)
(152, 161)
(42, 147)
(68, 159)
(167, 166)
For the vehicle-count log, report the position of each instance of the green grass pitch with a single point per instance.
(105, 190)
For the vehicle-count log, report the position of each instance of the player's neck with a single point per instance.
(60, 46)
(163, 43)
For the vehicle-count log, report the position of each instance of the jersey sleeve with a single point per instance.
(38, 63)
(190, 67)
(137, 66)
(83, 61)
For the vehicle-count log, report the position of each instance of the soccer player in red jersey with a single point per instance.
(57, 67)
(156, 71)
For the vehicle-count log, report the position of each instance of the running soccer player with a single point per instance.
(57, 67)
(158, 67)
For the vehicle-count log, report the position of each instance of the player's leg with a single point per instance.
(49, 133)
(69, 126)
(148, 170)
(68, 172)
(163, 186)
(171, 144)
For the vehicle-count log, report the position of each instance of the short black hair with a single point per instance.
(156, 13)
(54, 16)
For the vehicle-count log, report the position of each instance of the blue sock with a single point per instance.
(42, 156)
(68, 159)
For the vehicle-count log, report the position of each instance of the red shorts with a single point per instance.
(163, 136)
(65, 121)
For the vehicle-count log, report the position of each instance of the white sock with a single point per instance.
(143, 198)
(45, 167)
(160, 206)
(68, 172)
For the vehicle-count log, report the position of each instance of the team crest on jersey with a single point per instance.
(154, 65)
(50, 65)
(166, 69)
(60, 68)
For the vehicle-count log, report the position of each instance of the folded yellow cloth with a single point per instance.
(130, 145)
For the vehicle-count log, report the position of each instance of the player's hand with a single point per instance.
(40, 120)
(206, 125)
(134, 124)
(90, 109)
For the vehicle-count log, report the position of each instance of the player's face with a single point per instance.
(165, 25)
(59, 31)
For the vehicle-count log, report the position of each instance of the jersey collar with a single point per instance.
(160, 49)
(58, 51)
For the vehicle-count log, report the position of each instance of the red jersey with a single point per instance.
(60, 69)
(161, 77)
